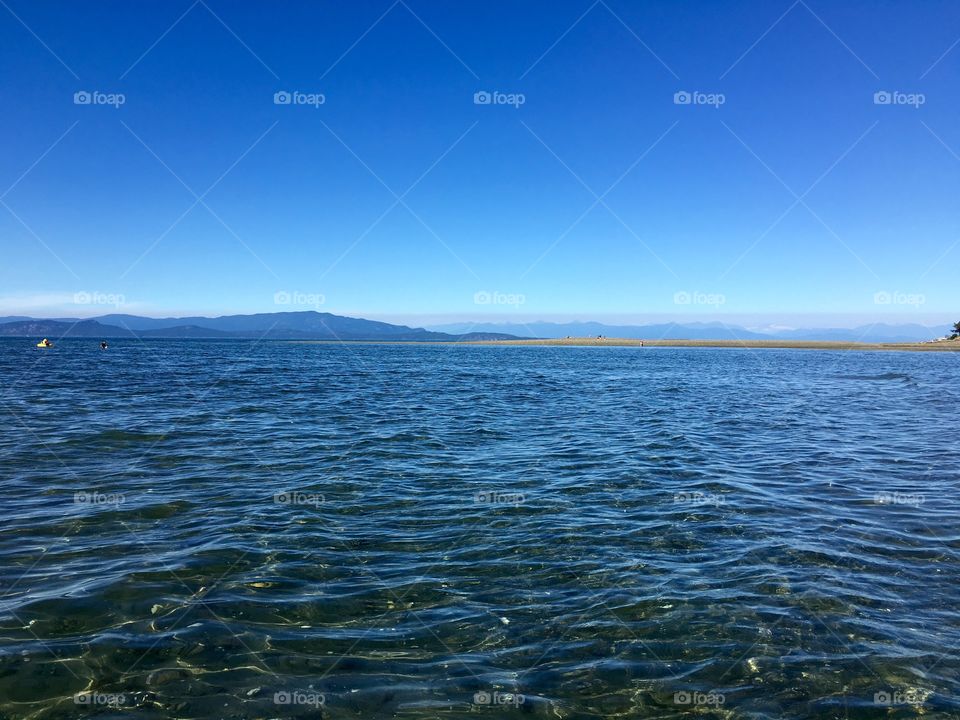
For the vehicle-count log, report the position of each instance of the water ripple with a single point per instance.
(230, 529)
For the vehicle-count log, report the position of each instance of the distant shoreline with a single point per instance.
(942, 346)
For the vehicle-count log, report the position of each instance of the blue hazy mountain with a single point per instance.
(702, 331)
(869, 333)
(310, 325)
(662, 331)
(58, 329)
(307, 325)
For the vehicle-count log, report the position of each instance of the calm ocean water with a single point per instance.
(239, 530)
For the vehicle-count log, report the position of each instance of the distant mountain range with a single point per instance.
(306, 325)
(878, 333)
(310, 325)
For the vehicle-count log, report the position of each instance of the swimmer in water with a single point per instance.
(103, 345)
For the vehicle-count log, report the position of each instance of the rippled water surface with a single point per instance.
(240, 530)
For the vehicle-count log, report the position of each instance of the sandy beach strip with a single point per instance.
(941, 346)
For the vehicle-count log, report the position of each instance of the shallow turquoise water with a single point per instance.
(237, 530)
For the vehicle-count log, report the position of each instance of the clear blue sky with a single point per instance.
(101, 198)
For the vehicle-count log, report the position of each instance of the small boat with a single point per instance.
(44, 343)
